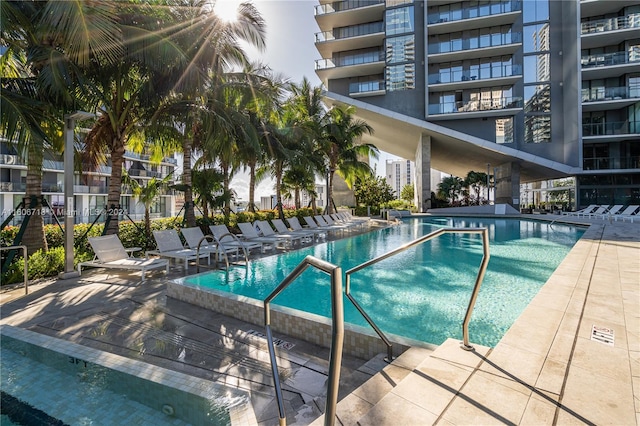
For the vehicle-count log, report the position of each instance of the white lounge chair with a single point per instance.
(325, 220)
(589, 209)
(194, 237)
(305, 235)
(249, 233)
(110, 253)
(296, 226)
(289, 239)
(630, 212)
(597, 212)
(311, 223)
(170, 246)
(229, 240)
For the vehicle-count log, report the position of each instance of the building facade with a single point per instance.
(398, 174)
(534, 90)
(90, 187)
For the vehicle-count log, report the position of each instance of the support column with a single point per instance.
(423, 174)
(507, 185)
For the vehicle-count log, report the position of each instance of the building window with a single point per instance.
(400, 49)
(537, 98)
(537, 128)
(535, 10)
(399, 21)
(400, 77)
(536, 38)
(504, 130)
(536, 68)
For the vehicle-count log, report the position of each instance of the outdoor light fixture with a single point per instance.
(69, 213)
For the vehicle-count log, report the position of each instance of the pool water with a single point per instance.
(73, 390)
(423, 292)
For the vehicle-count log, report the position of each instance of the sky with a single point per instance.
(290, 51)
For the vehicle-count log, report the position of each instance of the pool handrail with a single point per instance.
(337, 334)
(430, 236)
(219, 248)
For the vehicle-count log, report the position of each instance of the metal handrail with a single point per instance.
(337, 335)
(219, 248)
(26, 269)
(430, 236)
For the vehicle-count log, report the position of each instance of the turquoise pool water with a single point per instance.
(43, 386)
(421, 293)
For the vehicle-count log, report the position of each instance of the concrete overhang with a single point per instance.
(452, 151)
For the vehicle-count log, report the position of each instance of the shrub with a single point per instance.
(41, 264)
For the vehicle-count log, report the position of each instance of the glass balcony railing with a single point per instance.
(349, 32)
(606, 59)
(596, 94)
(611, 128)
(479, 74)
(475, 105)
(474, 43)
(13, 187)
(345, 61)
(608, 163)
(366, 87)
(611, 24)
(468, 12)
(340, 6)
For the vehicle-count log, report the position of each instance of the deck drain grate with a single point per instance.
(603, 335)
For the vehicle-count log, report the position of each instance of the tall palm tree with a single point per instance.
(341, 134)
(450, 188)
(48, 44)
(213, 47)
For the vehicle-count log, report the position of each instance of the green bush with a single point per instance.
(41, 264)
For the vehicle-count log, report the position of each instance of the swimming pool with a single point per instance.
(422, 293)
(47, 378)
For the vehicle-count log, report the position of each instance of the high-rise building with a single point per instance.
(534, 90)
(399, 173)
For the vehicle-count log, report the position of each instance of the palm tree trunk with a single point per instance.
(226, 182)
(115, 184)
(297, 198)
(279, 173)
(147, 222)
(330, 192)
(34, 236)
(252, 187)
(189, 210)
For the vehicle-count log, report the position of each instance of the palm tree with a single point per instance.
(450, 188)
(476, 181)
(48, 44)
(207, 187)
(212, 46)
(147, 194)
(341, 133)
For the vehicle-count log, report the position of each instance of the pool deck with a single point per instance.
(572, 357)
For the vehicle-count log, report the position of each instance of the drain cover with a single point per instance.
(602, 335)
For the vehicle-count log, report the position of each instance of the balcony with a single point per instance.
(609, 32)
(350, 12)
(609, 163)
(11, 160)
(52, 187)
(350, 38)
(357, 65)
(495, 104)
(368, 88)
(607, 65)
(599, 7)
(615, 128)
(13, 187)
(472, 48)
(52, 165)
(609, 98)
(483, 77)
(487, 14)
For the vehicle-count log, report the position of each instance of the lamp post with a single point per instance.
(69, 126)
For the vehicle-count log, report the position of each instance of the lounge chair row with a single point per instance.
(220, 244)
(614, 212)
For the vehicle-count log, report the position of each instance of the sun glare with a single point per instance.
(227, 10)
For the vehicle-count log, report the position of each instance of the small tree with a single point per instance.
(373, 191)
(407, 193)
(147, 194)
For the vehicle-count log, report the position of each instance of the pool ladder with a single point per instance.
(337, 313)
